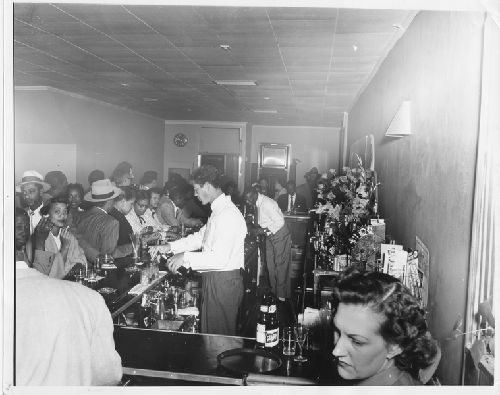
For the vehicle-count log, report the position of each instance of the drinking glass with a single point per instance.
(288, 341)
(300, 337)
(92, 273)
(108, 259)
(129, 318)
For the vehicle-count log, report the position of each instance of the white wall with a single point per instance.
(104, 135)
(187, 156)
(314, 146)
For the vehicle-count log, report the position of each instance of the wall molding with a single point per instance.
(77, 96)
(209, 123)
(295, 127)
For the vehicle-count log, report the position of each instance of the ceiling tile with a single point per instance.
(309, 62)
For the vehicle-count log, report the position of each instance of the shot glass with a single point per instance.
(92, 273)
(288, 341)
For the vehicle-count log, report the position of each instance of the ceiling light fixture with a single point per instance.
(235, 82)
(149, 99)
(225, 47)
(266, 111)
(124, 84)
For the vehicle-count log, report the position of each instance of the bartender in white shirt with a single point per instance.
(278, 241)
(221, 257)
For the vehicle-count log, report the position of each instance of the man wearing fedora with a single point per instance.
(308, 189)
(97, 227)
(32, 187)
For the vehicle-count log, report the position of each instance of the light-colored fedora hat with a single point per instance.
(101, 191)
(32, 176)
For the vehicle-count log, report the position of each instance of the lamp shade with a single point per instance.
(400, 125)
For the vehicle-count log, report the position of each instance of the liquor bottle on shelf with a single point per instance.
(144, 313)
(260, 337)
(272, 327)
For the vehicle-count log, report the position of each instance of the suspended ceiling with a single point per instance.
(309, 64)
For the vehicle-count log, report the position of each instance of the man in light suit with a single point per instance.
(97, 227)
(171, 210)
(292, 200)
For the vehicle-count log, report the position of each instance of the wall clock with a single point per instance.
(180, 140)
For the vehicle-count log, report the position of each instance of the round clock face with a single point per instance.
(180, 139)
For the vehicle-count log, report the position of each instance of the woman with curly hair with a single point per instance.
(381, 335)
(68, 255)
(122, 175)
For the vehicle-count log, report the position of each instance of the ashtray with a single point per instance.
(249, 360)
(107, 291)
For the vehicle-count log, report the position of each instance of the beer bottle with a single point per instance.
(144, 313)
(260, 338)
(272, 327)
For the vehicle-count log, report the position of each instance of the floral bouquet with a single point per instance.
(349, 197)
(347, 202)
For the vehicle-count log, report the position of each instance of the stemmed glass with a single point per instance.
(300, 337)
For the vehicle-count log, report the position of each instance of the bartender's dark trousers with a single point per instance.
(222, 295)
(278, 256)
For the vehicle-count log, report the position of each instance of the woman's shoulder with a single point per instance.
(391, 376)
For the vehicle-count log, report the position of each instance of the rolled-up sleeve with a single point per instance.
(226, 234)
(190, 243)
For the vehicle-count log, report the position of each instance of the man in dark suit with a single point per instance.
(292, 200)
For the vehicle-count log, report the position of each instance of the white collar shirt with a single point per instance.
(57, 239)
(20, 265)
(221, 240)
(135, 222)
(269, 213)
(291, 201)
(152, 220)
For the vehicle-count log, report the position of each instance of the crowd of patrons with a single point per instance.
(61, 228)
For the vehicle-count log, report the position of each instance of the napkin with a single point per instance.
(310, 317)
(188, 311)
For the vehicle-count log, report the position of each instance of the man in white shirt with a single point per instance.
(68, 338)
(278, 240)
(221, 258)
(32, 187)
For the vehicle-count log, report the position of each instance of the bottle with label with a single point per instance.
(144, 313)
(272, 327)
(260, 337)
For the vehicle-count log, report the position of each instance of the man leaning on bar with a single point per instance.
(221, 258)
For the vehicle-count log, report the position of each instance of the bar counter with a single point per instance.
(192, 357)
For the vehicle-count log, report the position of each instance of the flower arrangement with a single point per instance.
(344, 207)
(349, 197)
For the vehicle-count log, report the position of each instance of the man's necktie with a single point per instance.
(255, 216)
(176, 212)
(143, 221)
(291, 203)
(31, 214)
